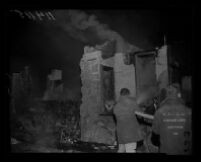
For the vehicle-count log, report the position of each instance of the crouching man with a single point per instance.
(127, 126)
(172, 124)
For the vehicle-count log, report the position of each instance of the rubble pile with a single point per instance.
(44, 123)
(88, 147)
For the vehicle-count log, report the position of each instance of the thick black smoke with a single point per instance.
(80, 25)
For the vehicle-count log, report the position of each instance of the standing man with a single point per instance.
(172, 124)
(128, 129)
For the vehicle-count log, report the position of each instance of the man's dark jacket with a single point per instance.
(172, 122)
(128, 129)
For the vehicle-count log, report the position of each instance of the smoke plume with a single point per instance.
(147, 94)
(78, 24)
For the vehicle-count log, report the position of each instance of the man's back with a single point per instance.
(173, 123)
(128, 129)
(125, 106)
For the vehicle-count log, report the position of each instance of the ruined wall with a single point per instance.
(124, 75)
(162, 67)
(101, 129)
(21, 91)
(94, 128)
(55, 87)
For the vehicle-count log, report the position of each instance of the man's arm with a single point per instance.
(139, 112)
(142, 114)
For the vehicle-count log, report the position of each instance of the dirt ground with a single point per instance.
(82, 147)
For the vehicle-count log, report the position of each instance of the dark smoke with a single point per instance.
(78, 24)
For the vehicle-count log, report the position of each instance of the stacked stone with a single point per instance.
(94, 128)
(124, 76)
(89, 109)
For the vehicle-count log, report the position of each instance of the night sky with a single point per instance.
(47, 44)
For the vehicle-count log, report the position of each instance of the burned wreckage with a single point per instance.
(103, 73)
(144, 73)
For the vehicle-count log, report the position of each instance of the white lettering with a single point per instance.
(175, 127)
(175, 120)
(175, 133)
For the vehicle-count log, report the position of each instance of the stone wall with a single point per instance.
(162, 67)
(21, 91)
(94, 128)
(101, 129)
(124, 76)
(55, 86)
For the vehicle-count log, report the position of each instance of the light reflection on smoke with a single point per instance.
(77, 22)
(147, 94)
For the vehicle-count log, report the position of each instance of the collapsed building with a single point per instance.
(21, 89)
(142, 72)
(54, 89)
